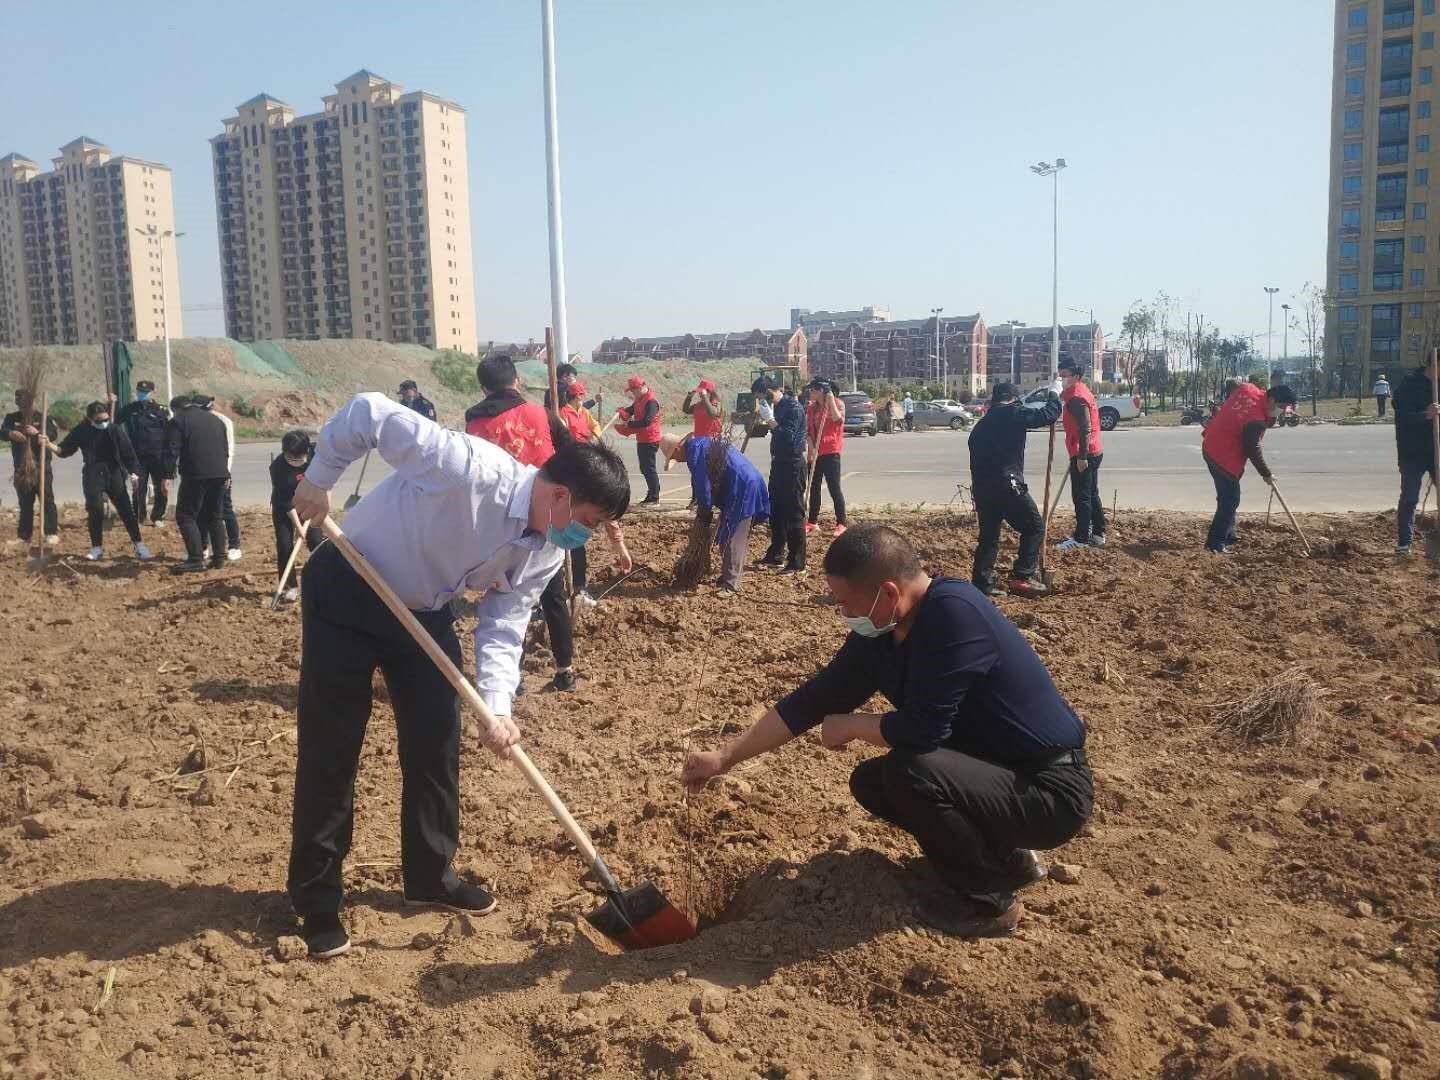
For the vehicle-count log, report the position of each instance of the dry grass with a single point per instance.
(29, 382)
(697, 561)
(1289, 711)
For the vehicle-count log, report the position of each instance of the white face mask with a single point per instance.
(101, 424)
(862, 624)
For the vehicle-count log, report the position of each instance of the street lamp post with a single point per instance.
(936, 312)
(1270, 332)
(1044, 168)
(151, 232)
(552, 178)
(1285, 337)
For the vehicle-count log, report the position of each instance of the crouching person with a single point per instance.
(984, 759)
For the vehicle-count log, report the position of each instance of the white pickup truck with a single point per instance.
(1113, 407)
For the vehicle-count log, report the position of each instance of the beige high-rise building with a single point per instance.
(351, 222)
(72, 268)
(1383, 273)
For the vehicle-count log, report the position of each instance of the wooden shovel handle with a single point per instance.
(1298, 531)
(462, 686)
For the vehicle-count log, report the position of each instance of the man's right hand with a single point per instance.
(701, 767)
(501, 736)
(311, 503)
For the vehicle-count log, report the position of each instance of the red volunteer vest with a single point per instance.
(1072, 431)
(828, 433)
(522, 432)
(705, 424)
(1223, 440)
(649, 433)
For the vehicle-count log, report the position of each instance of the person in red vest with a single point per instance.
(702, 405)
(582, 426)
(1081, 418)
(825, 431)
(579, 420)
(1231, 439)
(641, 418)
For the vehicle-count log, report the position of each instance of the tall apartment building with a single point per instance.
(1382, 276)
(350, 222)
(72, 268)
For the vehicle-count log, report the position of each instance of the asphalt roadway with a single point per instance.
(1325, 467)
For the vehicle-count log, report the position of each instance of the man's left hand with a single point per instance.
(1081, 464)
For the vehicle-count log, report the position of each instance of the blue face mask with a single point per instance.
(142, 395)
(572, 536)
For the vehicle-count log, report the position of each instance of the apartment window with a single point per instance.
(1352, 151)
(1422, 177)
(1417, 211)
(1427, 7)
(1422, 144)
(1427, 76)
(1422, 110)
(1395, 87)
(1417, 311)
(1427, 39)
(1347, 314)
(1357, 18)
(1349, 250)
(1349, 282)
(1355, 55)
(1417, 245)
(1386, 281)
(1352, 119)
(1350, 218)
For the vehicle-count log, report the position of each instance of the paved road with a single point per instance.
(1322, 468)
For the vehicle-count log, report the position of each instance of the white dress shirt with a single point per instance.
(454, 515)
(229, 440)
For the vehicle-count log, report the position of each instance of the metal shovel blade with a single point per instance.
(351, 501)
(641, 918)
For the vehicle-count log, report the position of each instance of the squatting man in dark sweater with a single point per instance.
(984, 760)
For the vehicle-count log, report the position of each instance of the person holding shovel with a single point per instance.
(1231, 439)
(457, 514)
(1081, 417)
(740, 496)
(984, 760)
(641, 418)
(18, 427)
(786, 422)
(286, 472)
(997, 480)
(109, 467)
(1415, 424)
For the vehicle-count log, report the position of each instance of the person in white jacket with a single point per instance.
(227, 510)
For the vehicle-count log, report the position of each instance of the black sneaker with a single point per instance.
(648, 501)
(189, 566)
(470, 899)
(564, 680)
(218, 564)
(1022, 869)
(793, 571)
(962, 917)
(772, 560)
(324, 936)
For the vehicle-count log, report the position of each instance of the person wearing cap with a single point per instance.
(1081, 418)
(109, 461)
(983, 759)
(786, 421)
(641, 418)
(144, 421)
(1382, 394)
(825, 433)
(702, 405)
(1231, 439)
(1415, 420)
(286, 472)
(997, 483)
(576, 415)
(411, 398)
(740, 496)
(196, 448)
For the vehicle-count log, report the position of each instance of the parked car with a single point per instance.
(942, 413)
(1113, 408)
(859, 413)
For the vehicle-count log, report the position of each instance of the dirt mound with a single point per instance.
(1230, 912)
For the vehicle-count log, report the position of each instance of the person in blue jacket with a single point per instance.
(741, 496)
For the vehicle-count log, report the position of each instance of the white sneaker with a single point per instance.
(95, 553)
(1069, 544)
(235, 554)
(585, 600)
(53, 540)
(142, 552)
(290, 595)
(1402, 549)
(159, 524)
(1096, 540)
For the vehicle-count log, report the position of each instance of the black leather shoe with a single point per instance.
(470, 899)
(189, 566)
(564, 680)
(961, 917)
(324, 936)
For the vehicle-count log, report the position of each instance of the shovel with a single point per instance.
(1298, 531)
(638, 918)
(355, 495)
(1432, 539)
(289, 563)
(1046, 578)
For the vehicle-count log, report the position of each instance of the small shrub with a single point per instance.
(455, 371)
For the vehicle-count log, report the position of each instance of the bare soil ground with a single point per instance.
(1239, 914)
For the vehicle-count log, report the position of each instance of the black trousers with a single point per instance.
(647, 452)
(970, 815)
(26, 526)
(232, 523)
(555, 608)
(1381, 400)
(198, 516)
(1085, 494)
(787, 512)
(285, 538)
(347, 632)
(150, 472)
(579, 568)
(827, 468)
(100, 483)
(1014, 506)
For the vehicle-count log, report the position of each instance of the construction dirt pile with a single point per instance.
(1230, 912)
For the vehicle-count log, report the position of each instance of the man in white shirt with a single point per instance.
(227, 504)
(457, 514)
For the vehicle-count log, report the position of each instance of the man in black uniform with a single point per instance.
(109, 462)
(196, 447)
(997, 479)
(984, 759)
(144, 421)
(783, 414)
(412, 398)
(22, 424)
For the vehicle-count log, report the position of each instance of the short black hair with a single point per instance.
(95, 408)
(566, 369)
(593, 474)
(1069, 363)
(1002, 391)
(145, 384)
(180, 401)
(295, 443)
(869, 554)
(496, 373)
(409, 384)
(1283, 395)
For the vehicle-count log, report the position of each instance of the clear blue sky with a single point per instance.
(723, 162)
